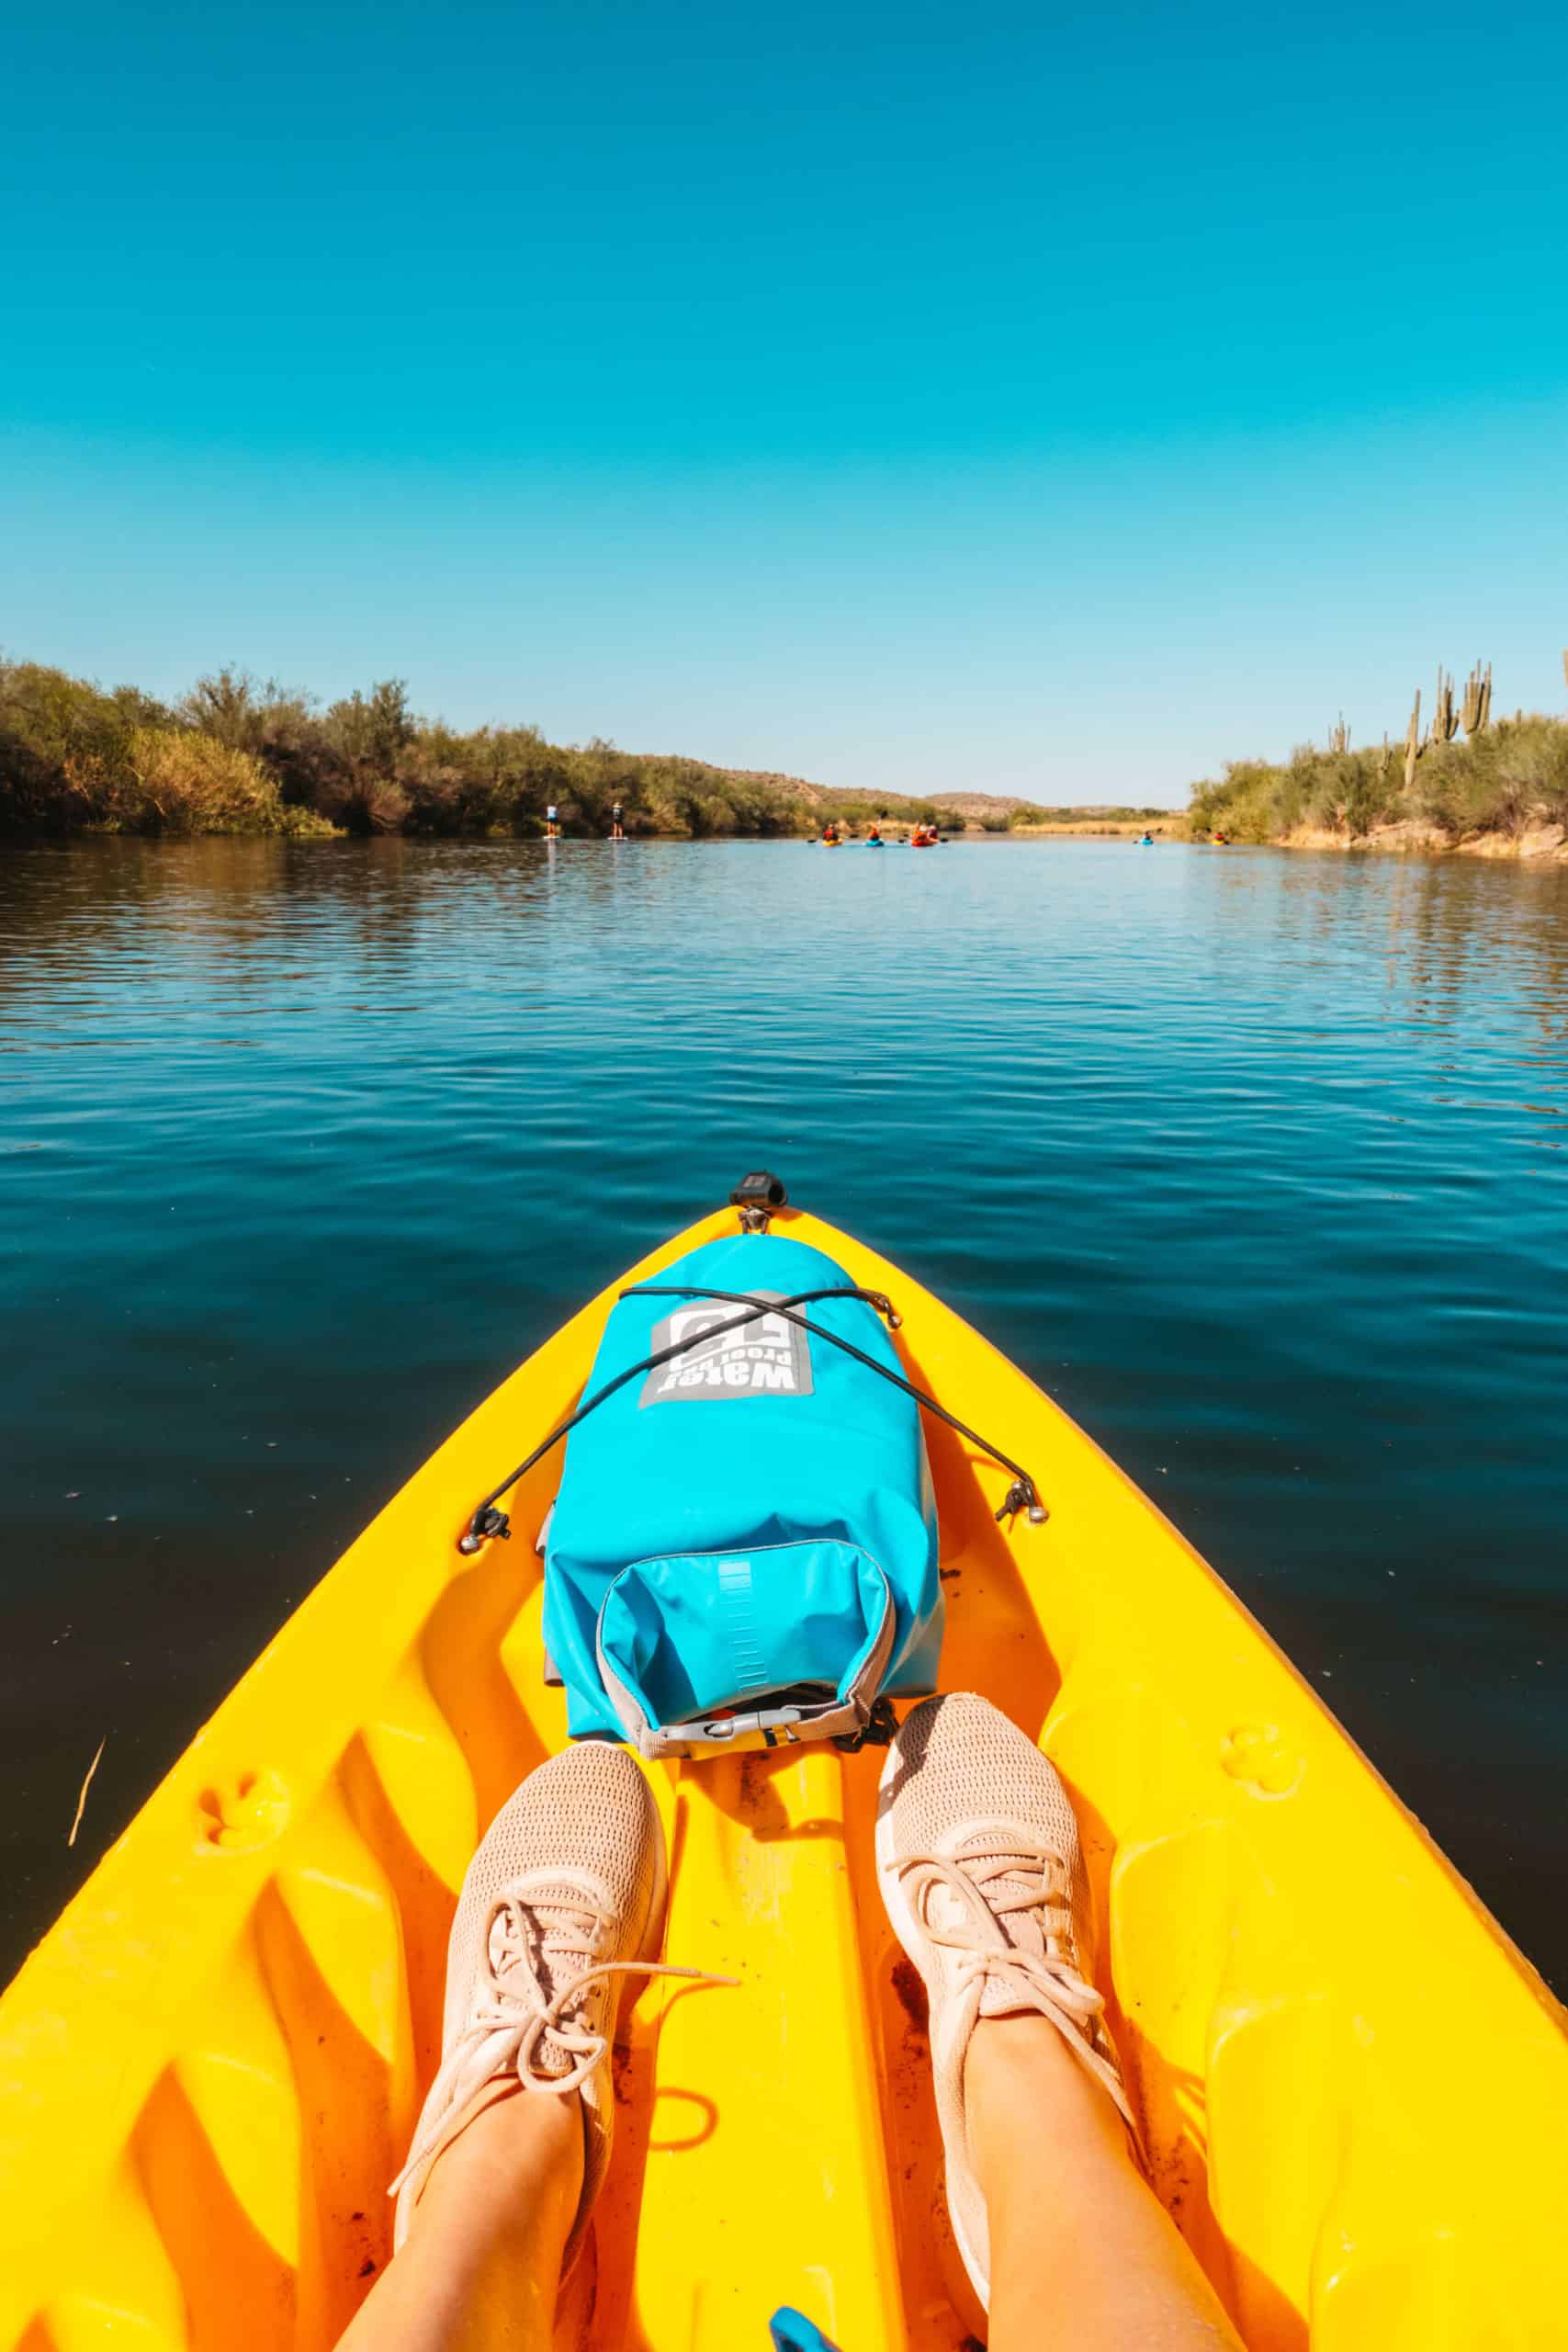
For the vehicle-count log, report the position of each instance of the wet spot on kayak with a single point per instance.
(911, 1997)
(755, 1802)
(620, 2073)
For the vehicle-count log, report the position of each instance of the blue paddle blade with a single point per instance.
(793, 2331)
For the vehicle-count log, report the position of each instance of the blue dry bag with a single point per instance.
(745, 1538)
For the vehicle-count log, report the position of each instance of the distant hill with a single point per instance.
(789, 787)
(974, 808)
(851, 802)
(981, 805)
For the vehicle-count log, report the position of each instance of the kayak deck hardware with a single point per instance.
(757, 1196)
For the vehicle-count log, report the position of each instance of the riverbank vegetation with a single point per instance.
(1506, 779)
(238, 756)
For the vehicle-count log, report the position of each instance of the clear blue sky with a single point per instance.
(1027, 400)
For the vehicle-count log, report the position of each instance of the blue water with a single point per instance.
(1254, 1158)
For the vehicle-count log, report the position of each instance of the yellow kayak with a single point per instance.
(1353, 2087)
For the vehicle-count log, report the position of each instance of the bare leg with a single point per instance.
(982, 1872)
(480, 2265)
(1081, 2249)
(513, 2145)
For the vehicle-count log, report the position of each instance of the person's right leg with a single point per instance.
(1064, 2239)
(1075, 2229)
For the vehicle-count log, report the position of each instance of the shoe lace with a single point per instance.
(998, 1878)
(514, 2023)
(979, 1882)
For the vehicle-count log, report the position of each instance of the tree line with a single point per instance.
(239, 755)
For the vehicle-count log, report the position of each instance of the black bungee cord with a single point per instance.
(487, 1521)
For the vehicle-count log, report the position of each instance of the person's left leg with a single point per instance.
(563, 1901)
(480, 2267)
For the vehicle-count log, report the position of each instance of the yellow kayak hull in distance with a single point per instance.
(1354, 2089)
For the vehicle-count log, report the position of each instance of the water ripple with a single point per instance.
(1253, 1159)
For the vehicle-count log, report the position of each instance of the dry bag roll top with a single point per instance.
(745, 1537)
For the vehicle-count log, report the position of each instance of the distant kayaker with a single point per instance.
(552, 822)
(873, 838)
(977, 1862)
(618, 830)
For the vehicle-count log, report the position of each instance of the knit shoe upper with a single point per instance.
(562, 1902)
(980, 1868)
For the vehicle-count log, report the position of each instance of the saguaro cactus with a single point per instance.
(1445, 719)
(1413, 743)
(1339, 737)
(1385, 755)
(1477, 699)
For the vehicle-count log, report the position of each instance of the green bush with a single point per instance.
(1514, 776)
(178, 782)
(1501, 780)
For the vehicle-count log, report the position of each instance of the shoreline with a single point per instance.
(1173, 827)
(1537, 844)
(1502, 792)
(1545, 844)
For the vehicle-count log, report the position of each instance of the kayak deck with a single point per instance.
(1353, 2086)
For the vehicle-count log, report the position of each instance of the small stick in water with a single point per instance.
(82, 1800)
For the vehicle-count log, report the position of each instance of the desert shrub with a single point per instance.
(1514, 776)
(1366, 797)
(169, 780)
(180, 782)
(58, 737)
(1457, 788)
(1245, 802)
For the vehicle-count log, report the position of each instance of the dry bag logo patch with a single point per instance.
(767, 1357)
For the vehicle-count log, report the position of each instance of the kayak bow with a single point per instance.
(1351, 2085)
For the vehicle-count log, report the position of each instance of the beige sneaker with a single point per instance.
(977, 1855)
(562, 1902)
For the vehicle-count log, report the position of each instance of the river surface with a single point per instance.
(1254, 1158)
